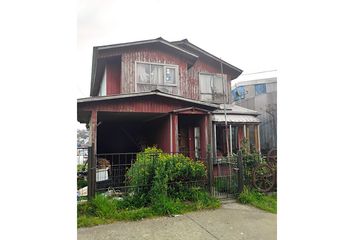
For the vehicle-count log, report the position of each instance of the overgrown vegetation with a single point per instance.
(165, 185)
(81, 183)
(222, 184)
(250, 158)
(259, 200)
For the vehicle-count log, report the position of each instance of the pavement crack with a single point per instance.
(202, 227)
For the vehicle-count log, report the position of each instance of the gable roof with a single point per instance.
(184, 48)
(235, 71)
(157, 42)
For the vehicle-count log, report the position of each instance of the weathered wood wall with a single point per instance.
(188, 83)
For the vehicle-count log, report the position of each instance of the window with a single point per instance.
(211, 87)
(151, 76)
(239, 93)
(260, 89)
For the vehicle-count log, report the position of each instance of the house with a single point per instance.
(258, 91)
(165, 94)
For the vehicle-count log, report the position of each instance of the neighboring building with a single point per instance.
(161, 93)
(258, 91)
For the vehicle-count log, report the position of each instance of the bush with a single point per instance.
(163, 174)
(160, 189)
(81, 183)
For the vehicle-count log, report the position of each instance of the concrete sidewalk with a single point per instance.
(231, 221)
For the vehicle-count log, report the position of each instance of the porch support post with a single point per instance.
(210, 152)
(244, 131)
(204, 136)
(174, 132)
(256, 137)
(230, 131)
(91, 175)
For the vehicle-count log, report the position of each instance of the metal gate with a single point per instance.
(227, 179)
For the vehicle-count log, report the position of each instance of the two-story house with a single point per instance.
(167, 94)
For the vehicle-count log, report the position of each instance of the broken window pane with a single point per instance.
(143, 71)
(156, 74)
(170, 76)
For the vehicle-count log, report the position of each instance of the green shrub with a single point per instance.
(81, 183)
(163, 174)
(160, 189)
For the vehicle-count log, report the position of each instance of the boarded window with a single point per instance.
(211, 87)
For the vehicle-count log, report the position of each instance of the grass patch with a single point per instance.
(259, 200)
(104, 210)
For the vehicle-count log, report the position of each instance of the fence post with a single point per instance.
(91, 174)
(240, 172)
(210, 170)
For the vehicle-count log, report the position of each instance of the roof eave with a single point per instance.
(186, 42)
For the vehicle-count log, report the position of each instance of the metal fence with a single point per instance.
(111, 173)
(226, 176)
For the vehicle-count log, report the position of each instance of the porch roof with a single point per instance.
(235, 118)
(141, 94)
(148, 102)
(235, 109)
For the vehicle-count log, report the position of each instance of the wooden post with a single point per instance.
(240, 172)
(210, 170)
(91, 174)
(256, 138)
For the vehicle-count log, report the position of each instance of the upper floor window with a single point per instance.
(260, 89)
(151, 76)
(211, 87)
(239, 93)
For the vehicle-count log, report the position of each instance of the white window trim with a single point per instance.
(176, 67)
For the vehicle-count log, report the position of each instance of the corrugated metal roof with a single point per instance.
(235, 118)
(235, 109)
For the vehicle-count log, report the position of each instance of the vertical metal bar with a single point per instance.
(240, 172)
(224, 101)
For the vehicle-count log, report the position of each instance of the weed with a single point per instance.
(259, 200)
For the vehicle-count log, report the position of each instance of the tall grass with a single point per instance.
(259, 200)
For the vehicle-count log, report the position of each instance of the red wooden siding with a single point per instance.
(142, 104)
(121, 79)
(201, 66)
(113, 77)
(148, 55)
(160, 133)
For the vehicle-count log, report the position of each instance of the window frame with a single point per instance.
(165, 66)
(260, 84)
(223, 77)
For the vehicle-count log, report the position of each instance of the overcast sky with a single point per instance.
(240, 32)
